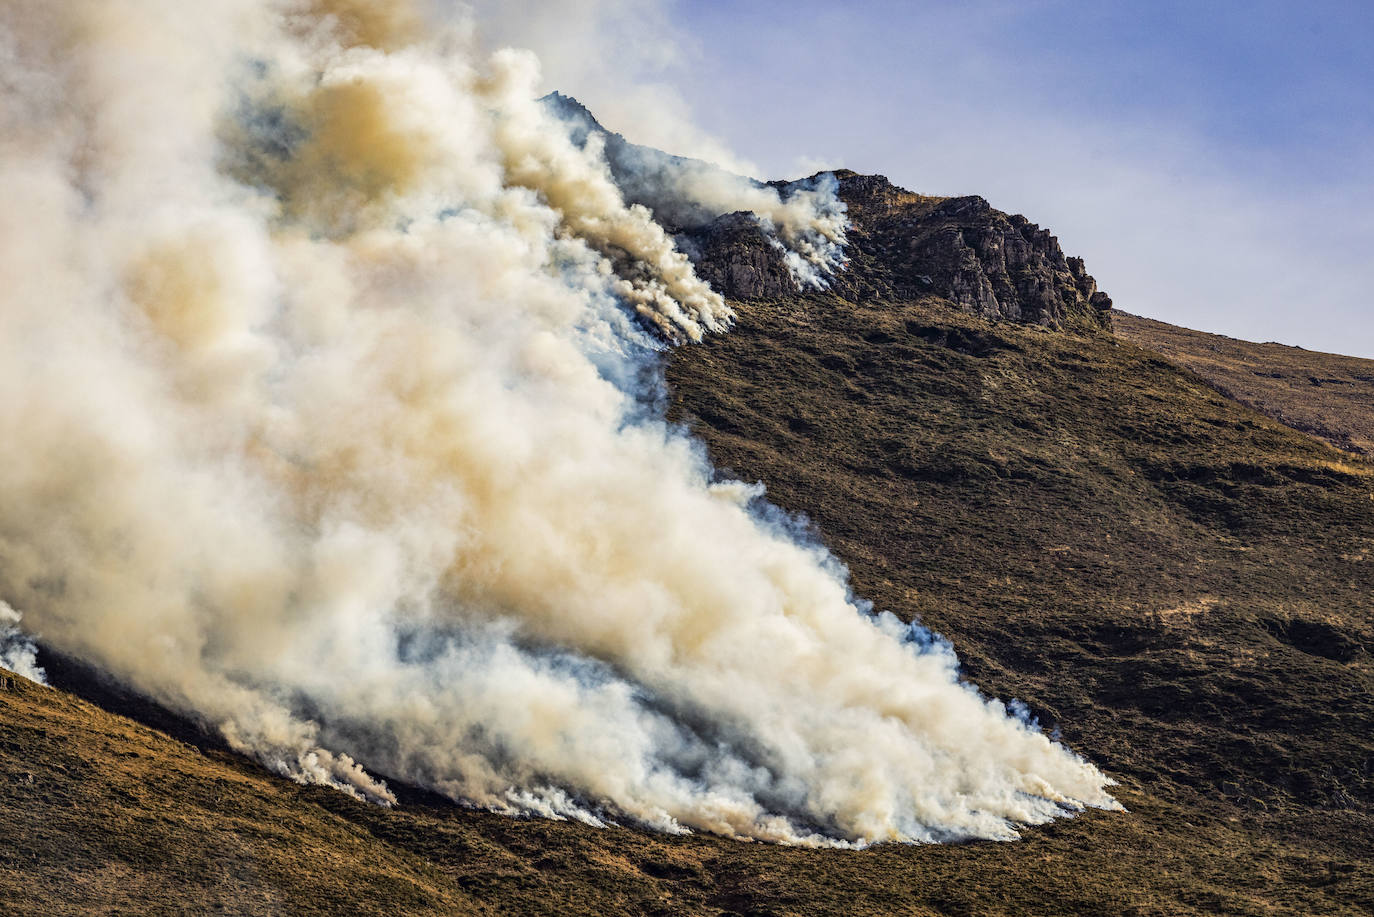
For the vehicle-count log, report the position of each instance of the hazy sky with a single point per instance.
(1213, 162)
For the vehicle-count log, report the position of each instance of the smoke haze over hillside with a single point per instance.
(324, 357)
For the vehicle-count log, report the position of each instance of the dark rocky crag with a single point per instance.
(733, 255)
(910, 246)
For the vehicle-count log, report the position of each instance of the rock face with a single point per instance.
(737, 259)
(904, 246)
(960, 248)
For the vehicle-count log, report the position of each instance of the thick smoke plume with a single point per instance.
(321, 349)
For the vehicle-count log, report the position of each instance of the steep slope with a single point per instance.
(99, 814)
(1326, 395)
(1176, 582)
(332, 376)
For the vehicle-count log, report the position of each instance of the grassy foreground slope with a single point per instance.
(1177, 583)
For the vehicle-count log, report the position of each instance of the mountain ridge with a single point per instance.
(966, 252)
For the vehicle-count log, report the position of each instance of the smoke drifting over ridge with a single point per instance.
(804, 220)
(319, 373)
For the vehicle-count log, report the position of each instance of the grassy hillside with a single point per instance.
(1174, 581)
(1327, 395)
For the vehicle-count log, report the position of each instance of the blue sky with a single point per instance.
(1212, 162)
(1279, 85)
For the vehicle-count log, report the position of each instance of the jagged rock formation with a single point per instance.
(910, 246)
(734, 256)
(982, 260)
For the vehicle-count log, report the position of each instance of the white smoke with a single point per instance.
(813, 246)
(316, 357)
(805, 221)
(18, 654)
(623, 57)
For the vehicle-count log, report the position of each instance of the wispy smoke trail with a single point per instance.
(319, 373)
(806, 221)
(18, 654)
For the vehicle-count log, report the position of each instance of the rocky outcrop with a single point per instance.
(906, 246)
(982, 260)
(735, 257)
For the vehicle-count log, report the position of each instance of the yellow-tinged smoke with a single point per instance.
(353, 156)
(323, 401)
(387, 25)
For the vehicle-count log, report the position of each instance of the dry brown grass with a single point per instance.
(1326, 395)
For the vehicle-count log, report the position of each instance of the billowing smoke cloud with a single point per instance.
(320, 362)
